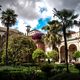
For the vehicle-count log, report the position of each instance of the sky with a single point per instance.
(37, 13)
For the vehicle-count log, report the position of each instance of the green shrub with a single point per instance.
(77, 66)
(59, 67)
(17, 73)
(41, 76)
(52, 54)
(65, 76)
(30, 64)
(76, 54)
(19, 51)
(47, 68)
(38, 53)
(33, 73)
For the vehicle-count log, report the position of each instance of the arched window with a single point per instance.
(72, 48)
(62, 52)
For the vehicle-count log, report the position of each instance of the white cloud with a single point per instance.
(1, 25)
(33, 23)
(22, 23)
(21, 26)
(29, 10)
(75, 28)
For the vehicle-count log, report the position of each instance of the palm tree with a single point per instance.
(67, 19)
(52, 37)
(8, 19)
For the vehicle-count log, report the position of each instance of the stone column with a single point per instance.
(68, 57)
(59, 56)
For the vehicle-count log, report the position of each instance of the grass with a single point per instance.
(18, 68)
(17, 73)
(34, 73)
(66, 76)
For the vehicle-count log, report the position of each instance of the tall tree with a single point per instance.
(67, 19)
(8, 19)
(19, 51)
(52, 37)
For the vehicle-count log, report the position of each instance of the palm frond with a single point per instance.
(8, 17)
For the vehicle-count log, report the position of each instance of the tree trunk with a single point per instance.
(53, 46)
(7, 34)
(66, 50)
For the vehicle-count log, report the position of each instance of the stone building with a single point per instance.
(73, 43)
(3, 35)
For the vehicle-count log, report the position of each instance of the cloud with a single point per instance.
(33, 23)
(1, 25)
(35, 12)
(24, 8)
(30, 9)
(72, 4)
(60, 4)
(22, 23)
(21, 26)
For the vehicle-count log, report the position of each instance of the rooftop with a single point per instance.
(3, 29)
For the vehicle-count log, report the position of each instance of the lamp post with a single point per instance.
(28, 29)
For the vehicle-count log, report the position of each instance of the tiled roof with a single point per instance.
(34, 31)
(3, 29)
